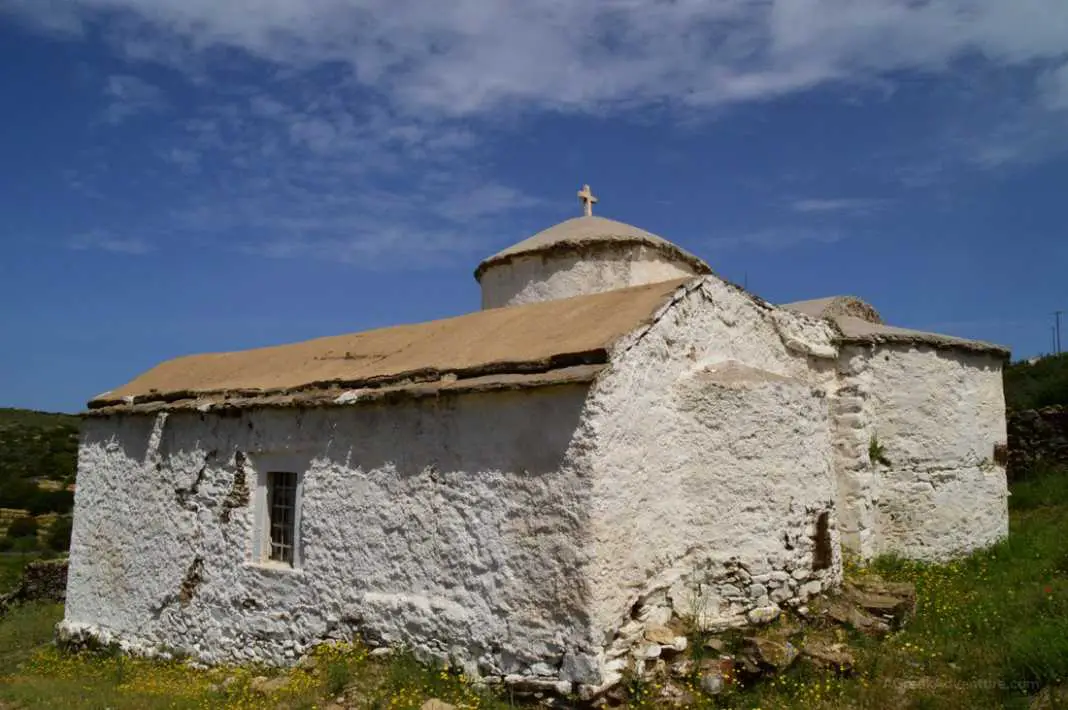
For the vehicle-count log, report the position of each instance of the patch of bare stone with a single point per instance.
(677, 659)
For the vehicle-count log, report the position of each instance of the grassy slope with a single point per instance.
(10, 416)
(990, 631)
(37, 444)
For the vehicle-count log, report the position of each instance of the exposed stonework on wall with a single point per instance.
(238, 497)
(1037, 437)
(193, 578)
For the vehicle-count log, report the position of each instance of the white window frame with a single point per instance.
(263, 464)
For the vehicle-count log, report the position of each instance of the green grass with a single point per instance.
(34, 674)
(24, 631)
(990, 631)
(11, 565)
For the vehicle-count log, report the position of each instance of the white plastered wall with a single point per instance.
(454, 526)
(701, 477)
(536, 277)
(937, 415)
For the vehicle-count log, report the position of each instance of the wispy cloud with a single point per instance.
(104, 241)
(484, 201)
(847, 205)
(383, 158)
(128, 96)
(1053, 88)
(464, 58)
(776, 239)
(183, 158)
(292, 169)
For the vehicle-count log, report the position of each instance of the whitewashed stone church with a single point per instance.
(617, 438)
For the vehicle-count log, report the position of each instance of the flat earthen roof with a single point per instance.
(517, 340)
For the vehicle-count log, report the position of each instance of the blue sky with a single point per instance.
(182, 176)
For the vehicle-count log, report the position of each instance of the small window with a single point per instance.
(282, 515)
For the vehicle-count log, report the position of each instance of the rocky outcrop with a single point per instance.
(45, 580)
(1037, 438)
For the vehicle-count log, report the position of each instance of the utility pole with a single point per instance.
(1057, 332)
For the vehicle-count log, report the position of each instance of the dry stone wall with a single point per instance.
(1037, 438)
(44, 580)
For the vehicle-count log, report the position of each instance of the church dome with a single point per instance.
(581, 233)
(580, 256)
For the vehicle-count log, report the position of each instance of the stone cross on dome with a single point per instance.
(588, 200)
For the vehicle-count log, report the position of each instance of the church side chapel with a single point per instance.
(617, 439)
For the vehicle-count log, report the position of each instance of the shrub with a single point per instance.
(59, 534)
(1031, 386)
(25, 526)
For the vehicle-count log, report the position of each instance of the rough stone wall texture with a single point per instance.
(711, 465)
(44, 580)
(938, 418)
(1037, 438)
(455, 526)
(530, 278)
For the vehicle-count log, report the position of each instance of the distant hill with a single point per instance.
(10, 416)
(1041, 384)
(37, 448)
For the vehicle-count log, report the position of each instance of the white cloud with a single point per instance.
(469, 56)
(129, 96)
(847, 205)
(104, 241)
(297, 166)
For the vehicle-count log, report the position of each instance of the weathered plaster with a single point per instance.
(455, 526)
(545, 277)
(936, 415)
(711, 464)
